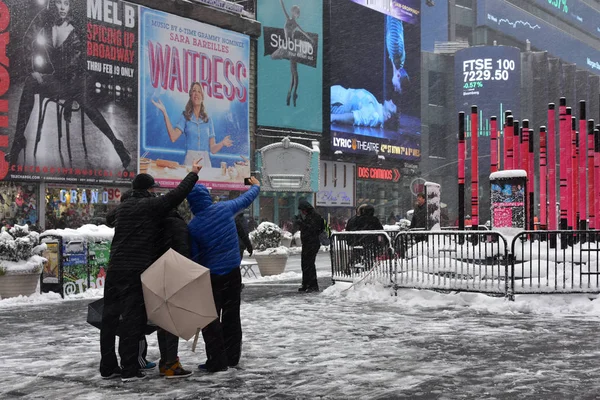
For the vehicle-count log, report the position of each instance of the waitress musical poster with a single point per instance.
(194, 93)
(69, 91)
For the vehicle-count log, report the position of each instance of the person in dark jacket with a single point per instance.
(174, 236)
(137, 222)
(419, 218)
(351, 224)
(214, 244)
(311, 225)
(367, 220)
(244, 240)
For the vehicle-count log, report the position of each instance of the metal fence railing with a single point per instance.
(477, 261)
(361, 254)
(452, 260)
(556, 262)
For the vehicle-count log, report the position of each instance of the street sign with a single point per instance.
(378, 173)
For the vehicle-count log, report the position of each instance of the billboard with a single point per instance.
(405, 10)
(194, 101)
(336, 184)
(375, 82)
(490, 78)
(290, 64)
(515, 22)
(576, 12)
(69, 91)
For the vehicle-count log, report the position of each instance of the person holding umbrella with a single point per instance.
(137, 222)
(175, 236)
(214, 243)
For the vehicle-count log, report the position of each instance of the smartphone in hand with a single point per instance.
(247, 181)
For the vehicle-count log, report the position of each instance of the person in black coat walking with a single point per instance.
(137, 222)
(311, 225)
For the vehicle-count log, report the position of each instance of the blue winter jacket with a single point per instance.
(213, 235)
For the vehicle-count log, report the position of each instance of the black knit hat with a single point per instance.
(143, 182)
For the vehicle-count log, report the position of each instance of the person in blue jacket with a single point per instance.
(214, 245)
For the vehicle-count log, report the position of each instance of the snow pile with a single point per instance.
(89, 232)
(279, 250)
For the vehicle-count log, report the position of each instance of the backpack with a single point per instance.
(325, 235)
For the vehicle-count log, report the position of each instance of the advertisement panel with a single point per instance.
(405, 10)
(69, 86)
(508, 202)
(375, 82)
(576, 12)
(290, 64)
(502, 16)
(490, 78)
(75, 266)
(336, 186)
(194, 101)
(50, 273)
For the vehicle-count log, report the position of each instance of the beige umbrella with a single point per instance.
(178, 295)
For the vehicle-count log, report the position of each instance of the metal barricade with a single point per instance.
(362, 255)
(475, 261)
(555, 262)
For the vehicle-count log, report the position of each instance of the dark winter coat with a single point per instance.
(419, 218)
(351, 224)
(368, 221)
(244, 240)
(138, 226)
(213, 235)
(310, 226)
(175, 234)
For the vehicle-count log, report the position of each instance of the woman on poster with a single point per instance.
(54, 52)
(289, 29)
(197, 127)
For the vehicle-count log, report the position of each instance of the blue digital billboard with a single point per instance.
(375, 89)
(510, 20)
(575, 12)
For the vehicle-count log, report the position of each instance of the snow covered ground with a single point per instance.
(359, 342)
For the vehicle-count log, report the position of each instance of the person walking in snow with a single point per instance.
(214, 244)
(311, 225)
(137, 223)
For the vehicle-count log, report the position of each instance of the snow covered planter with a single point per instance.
(270, 256)
(20, 266)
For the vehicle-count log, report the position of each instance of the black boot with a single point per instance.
(13, 156)
(123, 153)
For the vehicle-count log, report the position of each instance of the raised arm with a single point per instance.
(174, 133)
(237, 205)
(284, 10)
